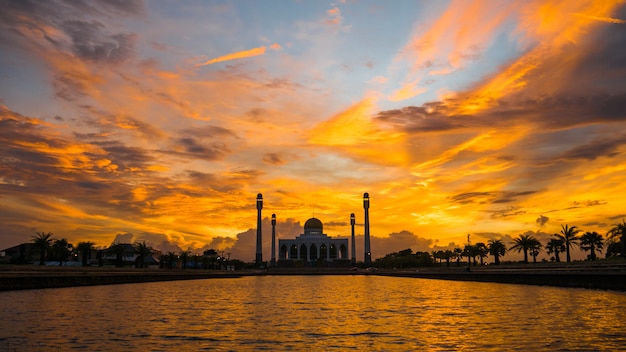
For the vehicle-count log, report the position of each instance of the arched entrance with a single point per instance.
(303, 252)
(313, 252)
(323, 252)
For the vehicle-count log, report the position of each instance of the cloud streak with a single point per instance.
(603, 19)
(235, 56)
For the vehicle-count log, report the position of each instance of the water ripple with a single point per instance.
(313, 313)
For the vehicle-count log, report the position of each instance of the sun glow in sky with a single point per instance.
(161, 121)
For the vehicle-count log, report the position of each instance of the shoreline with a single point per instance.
(40, 279)
(588, 276)
(602, 281)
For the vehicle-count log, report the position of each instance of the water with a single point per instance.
(316, 313)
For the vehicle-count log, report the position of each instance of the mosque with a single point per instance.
(313, 245)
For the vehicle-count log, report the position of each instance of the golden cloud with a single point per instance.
(234, 56)
(354, 131)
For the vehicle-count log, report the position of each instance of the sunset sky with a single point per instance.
(161, 121)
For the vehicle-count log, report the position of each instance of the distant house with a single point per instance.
(92, 256)
(25, 253)
(29, 253)
(129, 257)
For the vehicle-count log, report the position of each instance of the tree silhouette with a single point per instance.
(184, 258)
(617, 240)
(171, 259)
(458, 255)
(524, 243)
(84, 248)
(143, 251)
(437, 255)
(117, 249)
(481, 251)
(447, 255)
(556, 246)
(591, 241)
(43, 241)
(61, 249)
(535, 248)
(468, 252)
(405, 259)
(568, 235)
(496, 249)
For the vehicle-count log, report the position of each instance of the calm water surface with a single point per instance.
(316, 313)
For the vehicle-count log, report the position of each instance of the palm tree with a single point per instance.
(617, 240)
(458, 255)
(84, 248)
(555, 246)
(497, 249)
(143, 251)
(437, 255)
(43, 241)
(523, 243)
(61, 249)
(535, 248)
(468, 252)
(591, 241)
(171, 259)
(481, 251)
(118, 250)
(184, 258)
(568, 235)
(447, 255)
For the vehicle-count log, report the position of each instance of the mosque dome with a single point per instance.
(313, 223)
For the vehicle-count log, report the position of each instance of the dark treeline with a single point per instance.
(559, 245)
(44, 247)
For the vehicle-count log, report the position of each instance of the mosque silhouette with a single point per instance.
(313, 246)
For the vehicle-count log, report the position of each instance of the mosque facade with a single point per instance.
(313, 245)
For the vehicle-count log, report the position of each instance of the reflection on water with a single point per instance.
(314, 313)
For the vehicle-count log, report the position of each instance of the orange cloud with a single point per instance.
(507, 82)
(354, 131)
(335, 16)
(443, 71)
(545, 24)
(602, 19)
(407, 91)
(463, 26)
(333, 12)
(234, 56)
(457, 36)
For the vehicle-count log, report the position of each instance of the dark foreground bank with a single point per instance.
(596, 280)
(605, 277)
(37, 279)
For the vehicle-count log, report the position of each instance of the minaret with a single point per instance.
(273, 262)
(368, 251)
(352, 222)
(259, 246)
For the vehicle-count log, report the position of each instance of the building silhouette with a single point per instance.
(259, 240)
(368, 250)
(353, 251)
(313, 245)
(273, 260)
